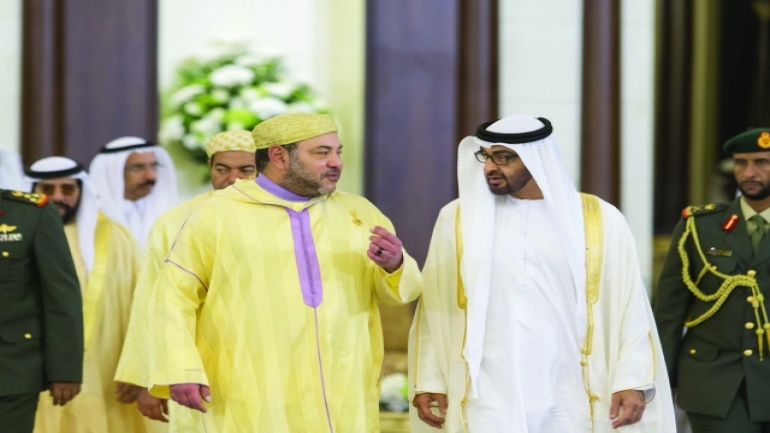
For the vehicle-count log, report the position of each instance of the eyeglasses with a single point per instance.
(497, 158)
(67, 190)
(140, 168)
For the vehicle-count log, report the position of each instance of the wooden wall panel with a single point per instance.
(600, 121)
(41, 128)
(90, 77)
(431, 78)
(672, 112)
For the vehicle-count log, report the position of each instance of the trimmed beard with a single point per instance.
(762, 194)
(303, 182)
(69, 211)
(513, 183)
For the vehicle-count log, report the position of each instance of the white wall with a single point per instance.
(638, 122)
(187, 28)
(10, 73)
(540, 64)
(322, 42)
(540, 75)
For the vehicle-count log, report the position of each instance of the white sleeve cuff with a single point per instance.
(649, 392)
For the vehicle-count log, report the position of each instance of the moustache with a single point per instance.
(66, 207)
(332, 171)
(148, 183)
(69, 211)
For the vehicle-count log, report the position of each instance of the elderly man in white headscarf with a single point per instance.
(10, 170)
(231, 157)
(534, 318)
(136, 182)
(106, 260)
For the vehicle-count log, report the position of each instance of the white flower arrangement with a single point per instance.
(234, 88)
(393, 396)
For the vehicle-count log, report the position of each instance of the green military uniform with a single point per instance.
(41, 318)
(714, 284)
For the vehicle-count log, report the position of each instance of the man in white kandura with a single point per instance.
(534, 317)
(126, 172)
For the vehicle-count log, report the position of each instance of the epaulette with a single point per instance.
(702, 210)
(27, 197)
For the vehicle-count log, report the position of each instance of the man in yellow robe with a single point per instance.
(261, 317)
(231, 157)
(106, 261)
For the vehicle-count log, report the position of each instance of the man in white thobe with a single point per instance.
(533, 317)
(136, 183)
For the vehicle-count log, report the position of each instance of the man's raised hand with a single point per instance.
(385, 249)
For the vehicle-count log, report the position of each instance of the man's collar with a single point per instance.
(749, 211)
(279, 191)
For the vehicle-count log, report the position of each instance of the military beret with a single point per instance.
(753, 140)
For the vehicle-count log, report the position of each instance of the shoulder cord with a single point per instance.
(720, 296)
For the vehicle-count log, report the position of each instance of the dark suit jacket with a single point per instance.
(41, 313)
(709, 363)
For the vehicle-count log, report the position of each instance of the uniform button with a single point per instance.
(693, 351)
(5, 254)
(27, 336)
(749, 325)
(750, 299)
(748, 352)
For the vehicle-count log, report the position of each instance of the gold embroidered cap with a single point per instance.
(291, 128)
(753, 140)
(238, 140)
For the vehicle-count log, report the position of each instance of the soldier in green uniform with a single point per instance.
(41, 318)
(714, 283)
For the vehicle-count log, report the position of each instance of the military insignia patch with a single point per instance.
(9, 237)
(702, 210)
(764, 140)
(689, 210)
(730, 223)
(29, 197)
(719, 253)
(356, 221)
